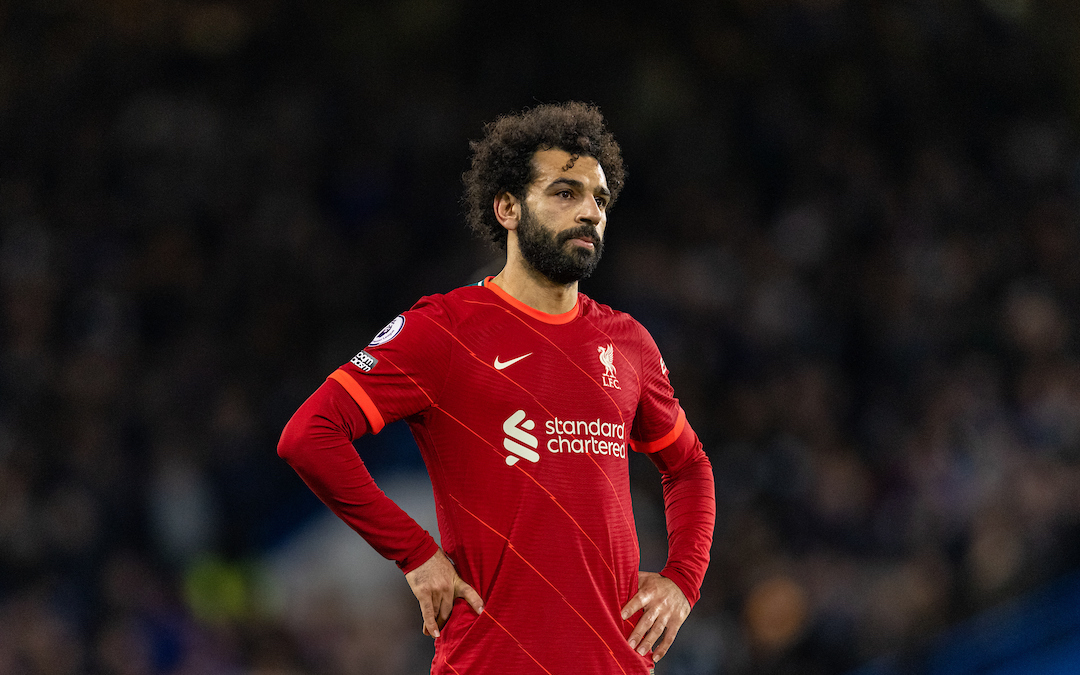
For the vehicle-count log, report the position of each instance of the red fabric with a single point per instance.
(690, 509)
(317, 444)
(523, 421)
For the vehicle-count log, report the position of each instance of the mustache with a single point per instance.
(583, 232)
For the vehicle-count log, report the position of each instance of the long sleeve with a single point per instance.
(690, 510)
(317, 443)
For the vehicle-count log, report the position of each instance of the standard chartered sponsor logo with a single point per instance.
(579, 437)
(586, 436)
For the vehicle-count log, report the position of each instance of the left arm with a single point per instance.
(690, 509)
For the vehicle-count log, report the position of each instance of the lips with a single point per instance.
(585, 236)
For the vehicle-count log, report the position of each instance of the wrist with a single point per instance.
(684, 584)
(418, 557)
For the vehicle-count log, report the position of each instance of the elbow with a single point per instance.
(315, 427)
(290, 445)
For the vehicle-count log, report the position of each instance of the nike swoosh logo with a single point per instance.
(499, 365)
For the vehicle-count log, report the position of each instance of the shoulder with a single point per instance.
(610, 318)
(430, 324)
(447, 312)
(451, 302)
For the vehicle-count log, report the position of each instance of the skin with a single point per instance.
(562, 196)
(436, 585)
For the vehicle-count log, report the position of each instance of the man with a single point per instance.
(522, 394)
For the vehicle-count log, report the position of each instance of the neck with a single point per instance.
(534, 289)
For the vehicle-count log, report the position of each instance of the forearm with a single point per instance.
(690, 510)
(317, 443)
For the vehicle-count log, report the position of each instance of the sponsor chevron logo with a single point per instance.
(517, 428)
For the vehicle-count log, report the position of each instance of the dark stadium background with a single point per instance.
(852, 227)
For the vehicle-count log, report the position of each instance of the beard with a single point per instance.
(548, 253)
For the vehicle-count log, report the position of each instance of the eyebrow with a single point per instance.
(578, 185)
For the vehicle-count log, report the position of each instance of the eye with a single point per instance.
(602, 203)
(565, 194)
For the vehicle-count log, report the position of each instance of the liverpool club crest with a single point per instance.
(607, 358)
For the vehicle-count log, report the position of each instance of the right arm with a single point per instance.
(317, 443)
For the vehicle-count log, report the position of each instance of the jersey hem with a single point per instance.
(685, 584)
(425, 554)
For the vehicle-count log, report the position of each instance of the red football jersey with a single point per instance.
(523, 419)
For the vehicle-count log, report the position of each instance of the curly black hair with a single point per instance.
(502, 159)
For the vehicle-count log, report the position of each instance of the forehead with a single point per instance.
(551, 165)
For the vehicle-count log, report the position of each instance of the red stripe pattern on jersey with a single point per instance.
(524, 425)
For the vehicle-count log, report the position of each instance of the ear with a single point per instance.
(507, 210)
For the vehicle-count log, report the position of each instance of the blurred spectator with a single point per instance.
(851, 227)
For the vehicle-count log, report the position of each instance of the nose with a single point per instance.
(590, 212)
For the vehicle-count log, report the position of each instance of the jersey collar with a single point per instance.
(555, 319)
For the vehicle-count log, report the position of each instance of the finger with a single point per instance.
(427, 610)
(655, 631)
(466, 591)
(636, 604)
(643, 625)
(665, 643)
(446, 605)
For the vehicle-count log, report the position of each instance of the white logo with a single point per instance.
(569, 437)
(514, 428)
(389, 332)
(364, 361)
(579, 437)
(607, 358)
(499, 365)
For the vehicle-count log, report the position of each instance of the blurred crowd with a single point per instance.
(852, 228)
